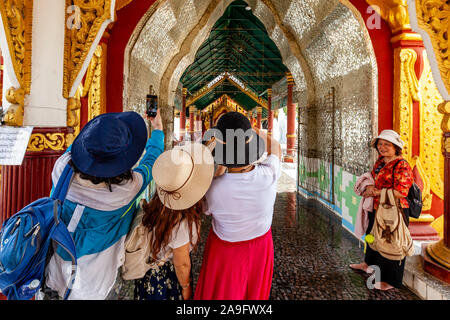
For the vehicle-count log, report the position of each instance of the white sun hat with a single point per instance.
(391, 136)
(183, 175)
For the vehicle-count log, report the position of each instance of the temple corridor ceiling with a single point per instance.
(240, 45)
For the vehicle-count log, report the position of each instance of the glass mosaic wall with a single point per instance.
(334, 132)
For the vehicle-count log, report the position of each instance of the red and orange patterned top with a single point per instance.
(403, 178)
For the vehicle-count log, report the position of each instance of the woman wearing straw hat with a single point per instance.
(389, 171)
(102, 199)
(173, 217)
(238, 256)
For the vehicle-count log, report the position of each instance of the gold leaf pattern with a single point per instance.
(17, 16)
(434, 17)
(78, 41)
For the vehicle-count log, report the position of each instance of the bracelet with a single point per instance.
(185, 286)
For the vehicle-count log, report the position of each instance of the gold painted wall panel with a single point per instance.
(406, 89)
(431, 155)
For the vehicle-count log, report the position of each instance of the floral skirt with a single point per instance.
(159, 284)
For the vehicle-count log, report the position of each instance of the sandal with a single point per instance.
(365, 269)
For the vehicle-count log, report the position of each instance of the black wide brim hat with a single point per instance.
(110, 144)
(237, 144)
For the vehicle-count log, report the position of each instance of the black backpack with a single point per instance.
(414, 197)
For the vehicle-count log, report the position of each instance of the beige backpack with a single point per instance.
(391, 235)
(138, 250)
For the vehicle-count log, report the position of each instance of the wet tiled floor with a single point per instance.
(312, 254)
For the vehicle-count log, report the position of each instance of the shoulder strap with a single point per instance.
(63, 184)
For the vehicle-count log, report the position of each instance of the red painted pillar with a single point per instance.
(258, 117)
(270, 112)
(21, 185)
(183, 116)
(290, 135)
(446, 230)
(198, 125)
(192, 122)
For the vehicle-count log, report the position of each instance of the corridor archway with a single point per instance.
(328, 50)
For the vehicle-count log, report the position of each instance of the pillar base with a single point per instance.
(421, 230)
(436, 260)
(288, 159)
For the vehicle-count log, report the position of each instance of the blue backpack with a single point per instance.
(25, 239)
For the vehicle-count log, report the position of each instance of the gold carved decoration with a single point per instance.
(94, 85)
(79, 39)
(406, 90)
(53, 141)
(221, 105)
(444, 108)
(17, 16)
(434, 18)
(394, 12)
(14, 115)
(73, 112)
(431, 155)
(94, 88)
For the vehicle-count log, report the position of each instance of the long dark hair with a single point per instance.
(128, 175)
(162, 220)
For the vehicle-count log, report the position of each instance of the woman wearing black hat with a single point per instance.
(238, 257)
(102, 198)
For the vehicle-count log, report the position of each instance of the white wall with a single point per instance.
(46, 106)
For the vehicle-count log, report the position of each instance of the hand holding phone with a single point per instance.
(152, 105)
(156, 121)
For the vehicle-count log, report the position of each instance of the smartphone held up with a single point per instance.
(152, 105)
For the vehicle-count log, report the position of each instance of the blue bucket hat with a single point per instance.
(110, 144)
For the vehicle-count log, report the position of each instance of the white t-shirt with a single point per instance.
(178, 238)
(241, 204)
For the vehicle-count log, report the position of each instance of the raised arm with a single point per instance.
(272, 145)
(153, 149)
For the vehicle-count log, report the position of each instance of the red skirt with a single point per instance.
(236, 270)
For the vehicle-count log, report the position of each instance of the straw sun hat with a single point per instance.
(183, 175)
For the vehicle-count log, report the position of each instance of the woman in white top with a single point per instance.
(238, 257)
(182, 176)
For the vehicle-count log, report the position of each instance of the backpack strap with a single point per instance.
(63, 184)
(63, 238)
(60, 234)
(393, 181)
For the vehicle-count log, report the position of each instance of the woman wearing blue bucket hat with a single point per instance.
(102, 199)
